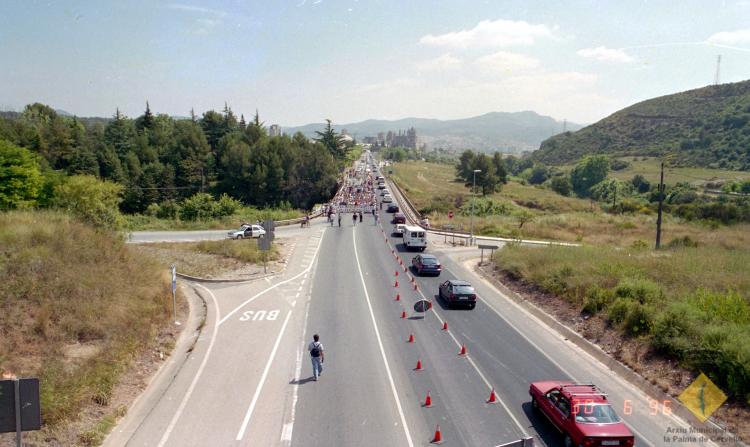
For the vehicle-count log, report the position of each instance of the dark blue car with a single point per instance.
(426, 265)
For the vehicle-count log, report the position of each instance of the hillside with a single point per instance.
(509, 132)
(706, 127)
(76, 307)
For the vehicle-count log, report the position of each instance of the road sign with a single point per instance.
(422, 306)
(24, 405)
(450, 214)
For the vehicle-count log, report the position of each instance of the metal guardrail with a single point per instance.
(414, 216)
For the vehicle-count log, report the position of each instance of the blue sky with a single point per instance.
(305, 60)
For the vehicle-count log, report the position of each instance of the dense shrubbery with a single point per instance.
(706, 327)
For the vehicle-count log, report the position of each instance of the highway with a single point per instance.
(248, 380)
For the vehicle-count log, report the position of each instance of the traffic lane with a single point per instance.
(529, 362)
(138, 237)
(352, 403)
(648, 420)
(479, 329)
(157, 427)
(458, 392)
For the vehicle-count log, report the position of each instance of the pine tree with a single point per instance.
(243, 124)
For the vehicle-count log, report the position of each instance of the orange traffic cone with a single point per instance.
(395, 284)
(415, 286)
(493, 397)
(411, 338)
(396, 273)
(419, 365)
(463, 350)
(438, 436)
(405, 268)
(445, 325)
(427, 401)
(400, 261)
(403, 314)
(398, 297)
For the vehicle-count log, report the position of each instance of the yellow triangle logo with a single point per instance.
(702, 397)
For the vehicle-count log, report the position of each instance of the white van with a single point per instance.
(415, 238)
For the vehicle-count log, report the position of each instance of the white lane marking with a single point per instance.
(250, 300)
(476, 368)
(296, 295)
(186, 397)
(541, 351)
(380, 344)
(250, 409)
(286, 434)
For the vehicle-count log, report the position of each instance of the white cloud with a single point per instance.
(488, 33)
(197, 9)
(506, 62)
(606, 54)
(440, 63)
(730, 37)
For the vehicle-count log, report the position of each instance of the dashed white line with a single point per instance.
(380, 344)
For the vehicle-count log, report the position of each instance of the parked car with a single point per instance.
(426, 264)
(581, 413)
(247, 231)
(399, 218)
(385, 192)
(458, 293)
(381, 185)
(392, 209)
(398, 230)
(387, 198)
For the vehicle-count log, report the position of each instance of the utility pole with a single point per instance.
(718, 67)
(661, 200)
(473, 193)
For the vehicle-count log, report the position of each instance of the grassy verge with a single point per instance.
(76, 306)
(207, 259)
(140, 222)
(537, 213)
(649, 167)
(689, 303)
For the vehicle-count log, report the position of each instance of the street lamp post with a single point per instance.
(473, 194)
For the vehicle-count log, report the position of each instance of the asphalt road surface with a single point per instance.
(248, 381)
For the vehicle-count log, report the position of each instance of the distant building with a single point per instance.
(274, 130)
(381, 138)
(407, 139)
(370, 140)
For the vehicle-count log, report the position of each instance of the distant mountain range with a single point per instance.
(705, 127)
(508, 132)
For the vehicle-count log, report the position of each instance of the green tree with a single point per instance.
(500, 169)
(20, 177)
(588, 172)
(120, 134)
(90, 199)
(332, 141)
(561, 185)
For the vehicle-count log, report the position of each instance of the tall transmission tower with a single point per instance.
(718, 67)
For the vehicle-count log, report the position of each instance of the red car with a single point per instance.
(581, 413)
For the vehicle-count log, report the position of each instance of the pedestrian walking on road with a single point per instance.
(317, 356)
(354, 219)
(339, 219)
(332, 217)
(360, 217)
